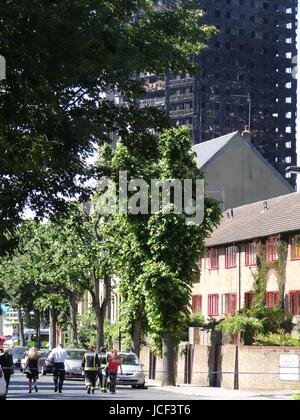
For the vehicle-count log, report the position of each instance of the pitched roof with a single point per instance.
(252, 222)
(209, 149)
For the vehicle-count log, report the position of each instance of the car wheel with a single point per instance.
(141, 386)
(134, 386)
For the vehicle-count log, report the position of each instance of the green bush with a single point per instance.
(196, 320)
(247, 326)
(273, 319)
(272, 339)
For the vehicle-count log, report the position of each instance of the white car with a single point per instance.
(2, 386)
(132, 371)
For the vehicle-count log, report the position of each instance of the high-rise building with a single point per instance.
(246, 77)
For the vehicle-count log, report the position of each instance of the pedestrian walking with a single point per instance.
(32, 369)
(103, 373)
(91, 365)
(114, 363)
(7, 365)
(58, 357)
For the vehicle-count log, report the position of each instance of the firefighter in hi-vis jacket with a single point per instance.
(91, 366)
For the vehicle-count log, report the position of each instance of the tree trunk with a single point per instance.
(100, 308)
(168, 344)
(52, 335)
(21, 328)
(137, 337)
(95, 293)
(73, 313)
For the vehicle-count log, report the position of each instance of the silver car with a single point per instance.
(73, 363)
(132, 371)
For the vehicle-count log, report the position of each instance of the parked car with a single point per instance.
(23, 362)
(73, 363)
(18, 353)
(132, 369)
(45, 365)
(2, 386)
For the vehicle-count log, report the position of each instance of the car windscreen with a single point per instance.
(75, 355)
(129, 360)
(19, 352)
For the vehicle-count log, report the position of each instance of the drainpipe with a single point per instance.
(239, 307)
(239, 303)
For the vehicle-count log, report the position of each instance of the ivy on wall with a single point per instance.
(264, 268)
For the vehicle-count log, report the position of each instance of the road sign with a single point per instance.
(289, 367)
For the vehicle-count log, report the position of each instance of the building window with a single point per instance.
(271, 250)
(272, 299)
(230, 257)
(214, 258)
(248, 300)
(197, 304)
(294, 302)
(213, 305)
(295, 247)
(229, 304)
(251, 254)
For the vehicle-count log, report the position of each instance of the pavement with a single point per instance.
(208, 393)
(75, 390)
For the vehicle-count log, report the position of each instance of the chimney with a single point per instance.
(247, 135)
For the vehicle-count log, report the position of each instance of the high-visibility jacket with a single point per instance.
(90, 362)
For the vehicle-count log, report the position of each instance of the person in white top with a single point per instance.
(58, 357)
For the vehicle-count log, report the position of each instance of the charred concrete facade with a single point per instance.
(246, 75)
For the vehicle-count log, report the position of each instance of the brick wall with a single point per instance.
(243, 367)
(265, 361)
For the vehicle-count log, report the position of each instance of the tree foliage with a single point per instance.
(64, 60)
(155, 254)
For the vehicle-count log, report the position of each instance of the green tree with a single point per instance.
(18, 287)
(64, 59)
(155, 254)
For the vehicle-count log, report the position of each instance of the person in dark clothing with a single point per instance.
(90, 365)
(103, 373)
(32, 369)
(7, 364)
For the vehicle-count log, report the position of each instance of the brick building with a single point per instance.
(228, 271)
